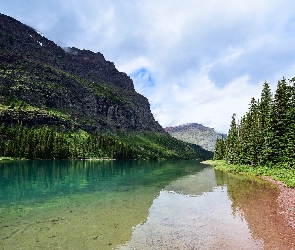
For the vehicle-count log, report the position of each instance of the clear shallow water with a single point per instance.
(187, 216)
(130, 205)
(26, 181)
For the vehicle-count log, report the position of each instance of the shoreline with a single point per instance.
(209, 162)
(285, 200)
(4, 158)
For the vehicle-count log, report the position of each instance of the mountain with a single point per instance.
(196, 134)
(66, 87)
(71, 103)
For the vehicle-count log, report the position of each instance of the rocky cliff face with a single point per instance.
(42, 83)
(97, 68)
(195, 133)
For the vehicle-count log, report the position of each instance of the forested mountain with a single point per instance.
(66, 103)
(265, 135)
(196, 134)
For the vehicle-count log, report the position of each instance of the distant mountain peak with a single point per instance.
(187, 126)
(195, 133)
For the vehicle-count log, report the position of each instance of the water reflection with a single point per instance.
(79, 204)
(214, 210)
(256, 201)
(169, 205)
(195, 184)
(41, 180)
(194, 212)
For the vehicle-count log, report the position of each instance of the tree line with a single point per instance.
(265, 135)
(45, 142)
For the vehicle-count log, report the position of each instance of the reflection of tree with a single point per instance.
(256, 201)
(42, 179)
(193, 185)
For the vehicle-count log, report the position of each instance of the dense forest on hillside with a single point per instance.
(47, 143)
(265, 135)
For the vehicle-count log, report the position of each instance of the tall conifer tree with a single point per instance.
(265, 138)
(232, 142)
(279, 122)
(290, 126)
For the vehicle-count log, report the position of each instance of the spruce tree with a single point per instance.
(232, 142)
(279, 122)
(253, 133)
(219, 151)
(290, 127)
(244, 140)
(265, 138)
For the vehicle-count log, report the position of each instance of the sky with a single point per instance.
(196, 61)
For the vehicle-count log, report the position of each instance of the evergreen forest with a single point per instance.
(265, 135)
(46, 142)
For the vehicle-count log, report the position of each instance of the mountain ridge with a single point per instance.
(195, 133)
(81, 84)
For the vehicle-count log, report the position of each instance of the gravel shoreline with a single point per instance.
(286, 201)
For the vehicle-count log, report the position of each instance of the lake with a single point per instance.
(134, 205)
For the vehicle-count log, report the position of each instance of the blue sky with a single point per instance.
(196, 61)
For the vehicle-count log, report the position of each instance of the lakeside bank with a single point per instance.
(283, 173)
(283, 178)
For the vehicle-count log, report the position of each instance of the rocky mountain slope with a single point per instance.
(196, 134)
(42, 83)
(67, 103)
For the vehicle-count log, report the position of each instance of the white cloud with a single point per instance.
(134, 64)
(203, 102)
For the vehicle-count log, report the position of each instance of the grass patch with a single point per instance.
(19, 106)
(283, 173)
(8, 159)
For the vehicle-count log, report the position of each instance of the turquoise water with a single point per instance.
(129, 205)
(38, 181)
